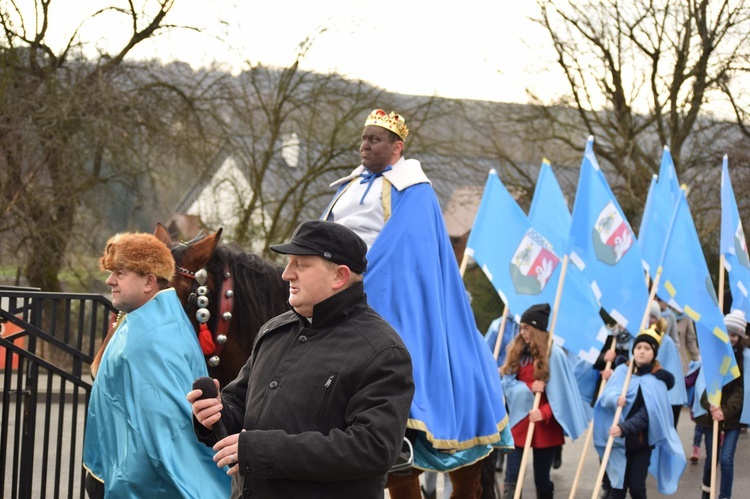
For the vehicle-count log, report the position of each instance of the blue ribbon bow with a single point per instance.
(369, 178)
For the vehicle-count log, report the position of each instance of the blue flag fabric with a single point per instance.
(668, 182)
(686, 284)
(657, 215)
(733, 245)
(522, 265)
(603, 245)
(579, 327)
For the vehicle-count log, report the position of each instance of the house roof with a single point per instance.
(462, 209)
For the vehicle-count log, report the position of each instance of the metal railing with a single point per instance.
(46, 387)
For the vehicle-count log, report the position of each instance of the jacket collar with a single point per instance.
(338, 307)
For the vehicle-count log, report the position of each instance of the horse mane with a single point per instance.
(258, 289)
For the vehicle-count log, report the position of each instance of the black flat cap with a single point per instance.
(330, 240)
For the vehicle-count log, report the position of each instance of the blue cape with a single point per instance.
(139, 436)
(562, 393)
(668, 458)
(669, 358)
(413, 281)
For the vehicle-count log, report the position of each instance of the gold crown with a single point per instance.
(652, 333)
(393, 122)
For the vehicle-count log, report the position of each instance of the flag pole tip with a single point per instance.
(545, 161)
(726, 157)
(590, 138)
(493, 172)
(666, 148)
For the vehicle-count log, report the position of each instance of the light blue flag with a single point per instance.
(522, 265)
(603, 245)
(686, 284)
(579, 327)
(668, 182)
(733, 245)
(657, 215)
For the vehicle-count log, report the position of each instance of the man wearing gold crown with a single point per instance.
(457, 414)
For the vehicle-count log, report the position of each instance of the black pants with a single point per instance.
(542, 465)
(636, 471)
(94, 488)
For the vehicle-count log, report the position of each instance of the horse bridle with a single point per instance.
(212, 344)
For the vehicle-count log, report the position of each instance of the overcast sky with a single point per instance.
(469, 49)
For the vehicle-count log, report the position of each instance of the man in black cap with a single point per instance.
(320, 409)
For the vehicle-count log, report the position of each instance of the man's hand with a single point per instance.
(227, 453)
(206, 411)
(615, 431)
(621, 401)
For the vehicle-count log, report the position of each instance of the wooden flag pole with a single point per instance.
(715, 428)
(499, 340)
(538, 395)
(590, 432)
(464, 264)
(618, 411)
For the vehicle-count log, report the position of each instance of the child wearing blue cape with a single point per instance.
(645, 439)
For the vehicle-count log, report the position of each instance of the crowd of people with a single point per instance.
(380, 345)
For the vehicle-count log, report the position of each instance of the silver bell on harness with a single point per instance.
(202, 315)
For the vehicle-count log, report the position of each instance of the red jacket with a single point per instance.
(548, 432)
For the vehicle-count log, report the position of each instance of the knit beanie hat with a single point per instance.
(736, 323)
(537, 316)
(650, 336)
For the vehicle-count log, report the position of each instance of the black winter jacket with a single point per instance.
(325, 405)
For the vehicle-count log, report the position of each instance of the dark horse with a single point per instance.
(243, 291)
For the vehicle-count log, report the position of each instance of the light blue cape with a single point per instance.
(413, 281)
(139, 437)
(562, 393)
(667, 458)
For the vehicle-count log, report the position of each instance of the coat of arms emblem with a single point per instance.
(532, 264)
(611, 235)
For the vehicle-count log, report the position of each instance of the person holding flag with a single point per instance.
(531, 368)
(645, 439)
(733, 411)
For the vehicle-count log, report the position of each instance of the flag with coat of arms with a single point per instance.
(522, 265)
(603, 246)
(579, 327)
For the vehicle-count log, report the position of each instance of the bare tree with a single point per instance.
(74, 132)
(644, 74)
(292, 133)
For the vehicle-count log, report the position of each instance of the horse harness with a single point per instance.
(212, 344)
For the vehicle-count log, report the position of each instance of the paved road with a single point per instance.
(689, 483)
